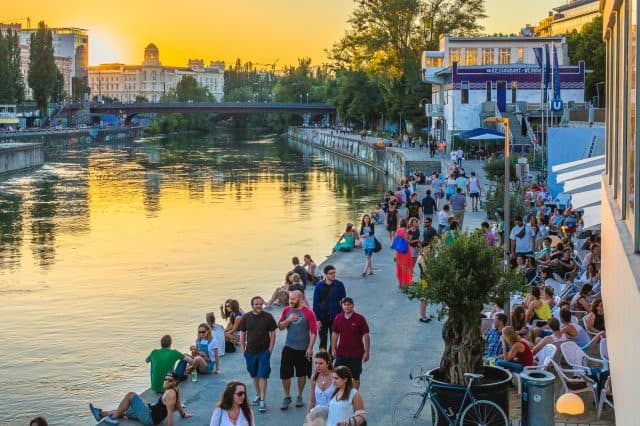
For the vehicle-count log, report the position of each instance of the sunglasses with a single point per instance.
(240, 394)
(202, 331)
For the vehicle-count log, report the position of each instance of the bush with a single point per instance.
(495, 170)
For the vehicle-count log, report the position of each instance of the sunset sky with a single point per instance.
(259, 30)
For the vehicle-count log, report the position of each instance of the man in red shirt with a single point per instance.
(350, 340)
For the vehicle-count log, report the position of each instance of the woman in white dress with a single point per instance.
(233, 408)
(322, 386)
(346, 407)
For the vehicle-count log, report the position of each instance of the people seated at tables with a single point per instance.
(572, 330)
(565, 265)
(530, 270)
(580, 301)
(549, 295)
(543, 256)
(537, 307)
(518, 355)
(348, 240)
(595, 318)
(555, 336)
(592, 257)
(518, 321)
(493, 341)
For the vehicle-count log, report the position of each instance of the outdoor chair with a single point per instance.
(575, 381)
(574, 356)
(544, 358)
(604, 398)
(584, 325)
(604, 350)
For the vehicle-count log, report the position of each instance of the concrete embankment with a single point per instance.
(45, 135)
(20, 156)
(395, 162)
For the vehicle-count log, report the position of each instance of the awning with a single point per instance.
(591, 216)
(482, 134)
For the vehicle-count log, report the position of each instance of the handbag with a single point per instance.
(378, 246)
(399, 244)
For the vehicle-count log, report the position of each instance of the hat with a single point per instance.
(347, 300)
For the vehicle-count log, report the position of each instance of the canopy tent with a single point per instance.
(482, 134)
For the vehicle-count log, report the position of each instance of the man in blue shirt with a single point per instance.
(493, 343)
(327, 298)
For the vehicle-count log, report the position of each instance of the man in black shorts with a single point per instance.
(350, 340)
(302, 328)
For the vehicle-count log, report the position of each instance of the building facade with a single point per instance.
(472, 76)
(70, 51)
(568, 17)
(151, 79)
(620, 271)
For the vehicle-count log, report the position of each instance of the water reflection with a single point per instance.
(102, 227)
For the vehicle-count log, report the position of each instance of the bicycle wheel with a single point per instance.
(484, 413)
(412, 408)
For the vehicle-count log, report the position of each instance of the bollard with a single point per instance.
(537, 398)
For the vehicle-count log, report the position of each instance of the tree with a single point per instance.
(11, 84)
(587, 46)
(58, 89)
(188, 89)
(42, 67)
(6, 87)
(140, 99)
(462, 276)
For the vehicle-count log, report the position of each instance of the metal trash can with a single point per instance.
(537, 398)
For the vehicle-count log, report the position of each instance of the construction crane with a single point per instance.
(21, 19)
(272, 66)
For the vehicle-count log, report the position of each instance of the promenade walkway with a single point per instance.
(398, 342)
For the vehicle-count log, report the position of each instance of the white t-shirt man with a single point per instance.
(453, 156)
(524, 241)
(459, 154)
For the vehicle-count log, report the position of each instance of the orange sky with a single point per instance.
(260, 30)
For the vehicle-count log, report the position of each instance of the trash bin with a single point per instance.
(537, 398)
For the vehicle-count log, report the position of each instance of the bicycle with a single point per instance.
(424, 408)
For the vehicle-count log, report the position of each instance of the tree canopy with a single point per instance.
(11, 82)
(42, 68)
(587, 45)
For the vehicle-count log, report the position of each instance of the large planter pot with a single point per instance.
(495, 387)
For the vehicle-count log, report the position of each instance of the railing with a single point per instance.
(530, 134)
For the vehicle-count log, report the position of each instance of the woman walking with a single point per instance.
(367, 231)
(391, 220)
(404, 262)
(233, 408)
(322, 386)
(414, 239)
(346, 406)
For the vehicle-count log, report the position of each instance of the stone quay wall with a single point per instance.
(20, 156)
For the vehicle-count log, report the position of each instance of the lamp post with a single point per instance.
(307, 97)
(507, 180)
(300, 97)
(598, 84)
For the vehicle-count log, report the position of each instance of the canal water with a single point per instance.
(108, 247)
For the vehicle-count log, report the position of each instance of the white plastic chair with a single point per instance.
(544, 358)
(584, 323)
(575, 381)
(602, 400)
(604, 350)
(577, 359)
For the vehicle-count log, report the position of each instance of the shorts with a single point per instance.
(474, 194)
(545, 332)
(447, 196)
(139, 410)
(258, 365)
(354, 365)
(368, 252)
(294, 359)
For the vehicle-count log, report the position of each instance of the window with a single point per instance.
(153, 75)
(632, 120)
(464, 92)
(454, 56)
(520, 55)
(504, 56)
(487, 56)
(488, 91)
(514, 91)
(471, 57)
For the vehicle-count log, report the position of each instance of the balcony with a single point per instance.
(434, 110)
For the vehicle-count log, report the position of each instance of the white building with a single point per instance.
(472, 77)
(151, 79)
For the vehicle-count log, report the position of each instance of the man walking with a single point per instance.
(429, 205)
(300, 323)
(459, 155)
(257, 338)
(458, 203)
(350, 340)
(326, 303)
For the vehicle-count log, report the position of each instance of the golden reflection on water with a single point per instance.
(102, 253)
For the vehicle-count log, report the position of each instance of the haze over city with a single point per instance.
(251, 30)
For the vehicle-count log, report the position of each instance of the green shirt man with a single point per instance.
(162, 361)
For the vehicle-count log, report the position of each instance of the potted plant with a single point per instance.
(463, 276)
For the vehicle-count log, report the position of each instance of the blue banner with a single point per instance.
(556, 74)
(538, 52)
(547, 72)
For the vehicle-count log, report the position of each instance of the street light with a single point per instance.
(300, 97)
(507, 180)
(307, 97)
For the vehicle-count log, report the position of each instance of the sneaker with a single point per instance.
(110, 420)
(263, 406)
(299, 402)
(96, 412)
(285, 403)
(256, 400)
(425, 319)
